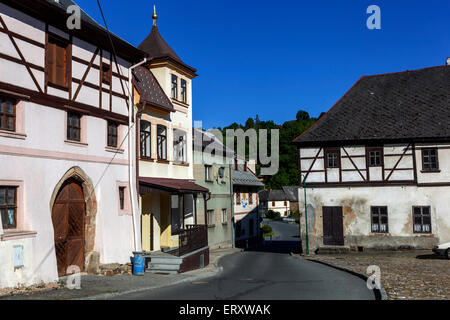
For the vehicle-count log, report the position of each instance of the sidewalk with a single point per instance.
(103, 287)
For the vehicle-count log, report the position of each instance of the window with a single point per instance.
(8, 207)
(112, 134)
(208, 173)
(7, 114)
(375, 157)
(179, 146)
(430, 159)
(379, 219)
(285, 203)
(106, 73)
(250, 198)
(174, 87)
(422, 219)
(162, 142)
(56, 62)
(73, 126)
(224, 216)
(273, 203)
(238, 198)
(183, 91)
(211, 218)
(145, 133)
(122, 198)
(332, 158)
(251, 222)
(221, 172)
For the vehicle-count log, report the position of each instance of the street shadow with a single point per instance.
(285, 247)
(431, 257)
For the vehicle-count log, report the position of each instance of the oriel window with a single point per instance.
(7, 114)
(162, 142)
(112, 134)
(174, 87)
(8, 207)
(183, 91)
(145, 134)
(73, 126)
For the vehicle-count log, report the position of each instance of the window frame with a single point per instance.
(183, 146)
(183, 90)
(71, 128)
(250, 198)
(380, 150)
(161, 142)
(108, 79)
(122, 197)
(143, 135)
(330, 151)
(174, 87)
(378, 214)
(430, 163)
(4, 116)
(224, 215)
(64, 44)
(112, 135)
(238, 198)
(421, 219)
(208, 173)
(211, 220)
(8, 206)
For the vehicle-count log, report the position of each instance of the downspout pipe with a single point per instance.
(132, 165)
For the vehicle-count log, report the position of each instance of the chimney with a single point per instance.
(448, 61)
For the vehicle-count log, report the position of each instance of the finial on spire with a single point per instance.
(155, 16)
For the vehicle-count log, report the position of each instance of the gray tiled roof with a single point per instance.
(273, 195)
(149, 89)
(245, 178)
(291, 192)
(410, 105)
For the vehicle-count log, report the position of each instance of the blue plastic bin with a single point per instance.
(138, 264)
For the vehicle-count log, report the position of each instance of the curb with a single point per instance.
(188, 279)
(380, 294)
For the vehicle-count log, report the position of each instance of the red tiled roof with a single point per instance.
(178, 185)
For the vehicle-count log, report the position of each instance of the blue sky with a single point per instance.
(273, 58)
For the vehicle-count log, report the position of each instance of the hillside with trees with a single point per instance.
(288, 172)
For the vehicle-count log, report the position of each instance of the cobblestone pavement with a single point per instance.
(405, 275)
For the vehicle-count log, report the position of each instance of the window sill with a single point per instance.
(76, 143)
(211, 225)
(224, 223)
(12, 134)
(147, 159)
(430, 171)
(180, 103)
(16, 235)
(114, 150)
(162, 161)
(58, 86)
(181, 164)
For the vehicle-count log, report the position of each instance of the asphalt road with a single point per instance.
(268, 273)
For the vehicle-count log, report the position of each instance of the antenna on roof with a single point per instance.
(155, 16)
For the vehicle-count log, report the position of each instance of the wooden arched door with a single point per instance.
(68, 223)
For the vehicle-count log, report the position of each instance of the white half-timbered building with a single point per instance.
(64, 177)
(377, 165)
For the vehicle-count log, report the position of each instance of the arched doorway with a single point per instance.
(68, 216)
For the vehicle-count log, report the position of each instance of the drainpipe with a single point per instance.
(233, 235)
(132, 168)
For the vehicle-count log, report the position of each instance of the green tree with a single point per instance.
(302, 115)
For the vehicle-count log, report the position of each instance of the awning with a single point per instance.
(170, 185)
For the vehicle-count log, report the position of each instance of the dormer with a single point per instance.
(172, 73)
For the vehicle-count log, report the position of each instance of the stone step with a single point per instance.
(161, 271)
(166, 260)
(163, 266)
(333, 249)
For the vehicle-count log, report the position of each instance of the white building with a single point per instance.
(64, 179)
(377, 165)
(275, 200)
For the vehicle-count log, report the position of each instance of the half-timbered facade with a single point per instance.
(64, 180)
(377, 165)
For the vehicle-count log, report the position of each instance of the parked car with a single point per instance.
(443, 249)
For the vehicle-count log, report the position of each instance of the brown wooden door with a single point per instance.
(333, 231)
(68, 223)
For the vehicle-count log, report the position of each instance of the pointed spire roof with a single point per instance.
(157, 48)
